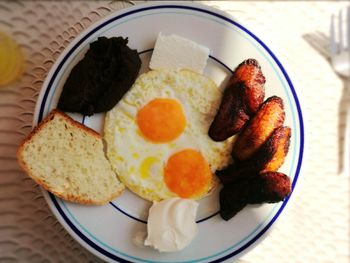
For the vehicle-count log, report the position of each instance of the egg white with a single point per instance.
(139, 162)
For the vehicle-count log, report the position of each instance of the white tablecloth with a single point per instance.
(315, 225)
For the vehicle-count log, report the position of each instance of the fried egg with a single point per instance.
(157, 136)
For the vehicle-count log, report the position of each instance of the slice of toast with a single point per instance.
(67, 159)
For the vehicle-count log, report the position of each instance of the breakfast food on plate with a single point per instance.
(67, 159)
(255, 179)
(268, 187)
(269, 157)
(249, 74)
(101, 78)
(156, 131)
(175, 52)
(269, 117)
(241, 99)
(260, 147)
(272, 153)
(171, 224)
(274, 187)
(157, 138)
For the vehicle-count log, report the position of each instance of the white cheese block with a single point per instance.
(175, 52)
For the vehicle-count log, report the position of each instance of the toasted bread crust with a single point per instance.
(25, 168)
(45, 121)
(72, 198)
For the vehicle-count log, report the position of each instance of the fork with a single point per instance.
(340, 58)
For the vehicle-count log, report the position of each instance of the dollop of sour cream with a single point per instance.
(171, 224)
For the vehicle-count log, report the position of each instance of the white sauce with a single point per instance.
(171, 224)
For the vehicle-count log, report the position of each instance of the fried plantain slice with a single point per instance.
(250, 75)
(270, 116)
(241, 99)
(269, 187)
(277, 147)
(233, 198)
(269, 157)
(228, 174)
(231, 116)
(273, 187)
(272, 153)
(235, 172)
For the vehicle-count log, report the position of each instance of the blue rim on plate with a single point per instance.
(217, 15)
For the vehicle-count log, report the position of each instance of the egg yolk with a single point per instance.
(161, 120)
(187, 174)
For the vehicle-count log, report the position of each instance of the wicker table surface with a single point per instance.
(314, 227)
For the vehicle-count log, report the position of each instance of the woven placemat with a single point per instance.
(315, 225)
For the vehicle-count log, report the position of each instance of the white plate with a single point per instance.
(108, 230)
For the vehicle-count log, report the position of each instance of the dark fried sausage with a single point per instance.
(241, 99)
(270, 116)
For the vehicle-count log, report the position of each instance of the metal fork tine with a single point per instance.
(340, 31)
(333, 47)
